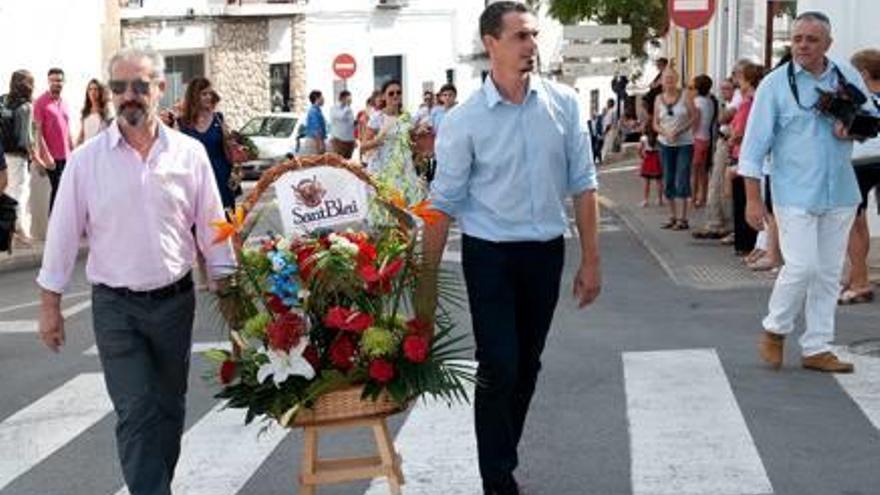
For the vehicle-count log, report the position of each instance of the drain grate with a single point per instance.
(722, 276)
(869, 347)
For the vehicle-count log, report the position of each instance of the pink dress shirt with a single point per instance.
(137, 215)
(51, 115)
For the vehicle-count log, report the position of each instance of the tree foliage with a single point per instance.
(648, 18)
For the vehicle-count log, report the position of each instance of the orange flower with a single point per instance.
(424, 211)
(396, 198)
(225, 229)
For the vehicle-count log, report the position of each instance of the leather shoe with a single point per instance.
(827, 362)
(770, 347)
(506, 487)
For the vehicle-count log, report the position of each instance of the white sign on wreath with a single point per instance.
(320, 198)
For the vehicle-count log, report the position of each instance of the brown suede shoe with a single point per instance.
(770, 348)
(827, 362)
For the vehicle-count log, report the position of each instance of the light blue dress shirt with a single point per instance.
(504, 170)
(437, 114)
(810, 167)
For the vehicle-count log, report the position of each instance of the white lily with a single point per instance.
(282, 365)
(341, 245)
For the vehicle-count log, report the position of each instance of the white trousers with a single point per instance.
(814, 248)
(19, 188)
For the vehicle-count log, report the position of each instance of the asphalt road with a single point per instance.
(654, 390)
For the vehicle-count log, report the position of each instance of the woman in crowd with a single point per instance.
(744, 235)
(704, 131)
(674, 118)
(199, 120)
(388, 138)
(21, 155)
(95, 114)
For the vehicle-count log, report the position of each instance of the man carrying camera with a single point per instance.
(814, 190)
(866, 161)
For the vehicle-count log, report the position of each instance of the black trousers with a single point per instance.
(512, 288)
(744, 236)
(55, 180)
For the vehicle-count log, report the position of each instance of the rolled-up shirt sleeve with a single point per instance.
(219, 257)
(455, 156)
(67, 224)
(578, 151)
(759, 133)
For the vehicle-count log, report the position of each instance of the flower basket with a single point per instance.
(344, 404)
(324, 324)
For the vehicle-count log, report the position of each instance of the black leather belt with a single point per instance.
(185, 284)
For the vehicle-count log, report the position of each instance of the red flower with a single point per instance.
(347, 319)
(342, 353)
(415, 348)
(310, 354)
(227, 372)
(379, 280)
(305, 260)
(285, 331)
(417, 326)
(381, 370)
(276, 305)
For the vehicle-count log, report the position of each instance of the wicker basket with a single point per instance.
(345, 404)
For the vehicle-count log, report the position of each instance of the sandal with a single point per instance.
(708, 234)
(670, 224)
(681, 225)
(763, 264)
(850, 296)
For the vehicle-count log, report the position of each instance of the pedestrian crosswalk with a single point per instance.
(687, 434)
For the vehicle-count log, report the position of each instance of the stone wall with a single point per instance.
(298, 65)
(239, 67)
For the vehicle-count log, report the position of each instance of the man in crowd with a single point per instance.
(316, 126)
(53, 123)
(423, 114)
(814, 191)
(505, 183)
(139, 192)
(447, 96)
(342, 126)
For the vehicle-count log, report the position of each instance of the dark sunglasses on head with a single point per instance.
(138, 86)
(669, 110)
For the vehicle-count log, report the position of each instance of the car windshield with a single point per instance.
(280, 127)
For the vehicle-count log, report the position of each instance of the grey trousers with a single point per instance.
(144, 346)
(719, 209)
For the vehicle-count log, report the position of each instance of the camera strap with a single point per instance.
(792, 83)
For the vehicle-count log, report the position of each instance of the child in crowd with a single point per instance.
(651, 171)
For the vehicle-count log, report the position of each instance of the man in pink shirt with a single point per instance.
(53, 122)
(136, 192)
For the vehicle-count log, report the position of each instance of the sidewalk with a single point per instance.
(25, 258)
(702, 264)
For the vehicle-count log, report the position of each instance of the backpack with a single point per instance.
(8, 129)
(7, 222)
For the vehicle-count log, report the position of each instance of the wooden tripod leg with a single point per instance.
(390, 459)
(310, 460)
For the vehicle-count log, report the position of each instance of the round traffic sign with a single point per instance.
(344, 66)
(691, 14)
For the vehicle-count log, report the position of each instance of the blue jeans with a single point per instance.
(676, 161)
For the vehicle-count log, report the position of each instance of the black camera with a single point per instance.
(845, 106)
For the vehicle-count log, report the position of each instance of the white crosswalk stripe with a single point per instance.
(863, 385)
(687, 434)
(31, 326)
(35, 432)
(219, 454)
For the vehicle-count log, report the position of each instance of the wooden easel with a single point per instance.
(316, 472)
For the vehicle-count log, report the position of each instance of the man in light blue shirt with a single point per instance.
(507, 159)
(316, 126)
(814, 192)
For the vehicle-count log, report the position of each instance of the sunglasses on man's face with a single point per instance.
(138, 86)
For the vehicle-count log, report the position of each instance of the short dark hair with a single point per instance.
(663, 61)
(610, 102)
(428, 92)
(344, 94)
(313, 96)
(448, 87)
(55, 70)
(703, 84)
(492, 18)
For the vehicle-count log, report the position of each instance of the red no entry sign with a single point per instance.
(691, 14)
(344, 66)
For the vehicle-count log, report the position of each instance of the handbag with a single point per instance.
(8, 216)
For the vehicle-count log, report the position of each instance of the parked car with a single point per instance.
(275, 137)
